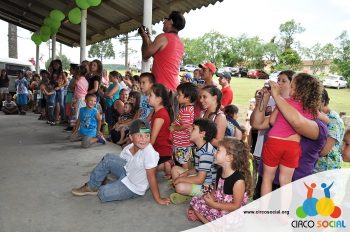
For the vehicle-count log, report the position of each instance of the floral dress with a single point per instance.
(212, 214)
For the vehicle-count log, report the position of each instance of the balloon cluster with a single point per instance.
(52, 23)
(74, 14)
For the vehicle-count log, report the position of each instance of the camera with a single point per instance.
(267, 86)
(140, 29)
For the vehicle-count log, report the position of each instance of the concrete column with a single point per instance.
(147, 21)
(37, 66)
(83, 35)
(53, 41)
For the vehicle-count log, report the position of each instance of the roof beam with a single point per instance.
(163, 7)
(123, 11)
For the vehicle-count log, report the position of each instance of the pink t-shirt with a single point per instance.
(81, 88)
(166, 64)
(282, 128)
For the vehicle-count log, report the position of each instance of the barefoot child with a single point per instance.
(89, 124)
(233, 183)
(201, 178)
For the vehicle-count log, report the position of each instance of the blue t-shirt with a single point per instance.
(88, 122)
(145, 107)
(110, 101)
(204, 161)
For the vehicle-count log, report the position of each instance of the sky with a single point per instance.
(324, 20)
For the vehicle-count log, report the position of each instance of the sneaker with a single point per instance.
(84, 191)
(101, 139)
(53, 123)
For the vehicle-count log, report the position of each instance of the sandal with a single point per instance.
(177, 198)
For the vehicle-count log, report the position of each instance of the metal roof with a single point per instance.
(110, 19)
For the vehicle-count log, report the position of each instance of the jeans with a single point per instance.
(60, 101)
(116, 190)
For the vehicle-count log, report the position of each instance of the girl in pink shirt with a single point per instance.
(282, 149)
(80, 90)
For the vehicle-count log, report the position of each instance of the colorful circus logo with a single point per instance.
(323, 206)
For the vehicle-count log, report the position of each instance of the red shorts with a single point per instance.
(279, 151)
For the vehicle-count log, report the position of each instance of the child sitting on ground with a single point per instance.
(9, 106)
(89, 124)
(135, 170)
(123, 122)
(233, 183)
(196, 181)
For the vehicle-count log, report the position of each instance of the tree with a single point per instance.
(213, 45)
(342, 60)
(288, 30)
(64, 59)
(319, 55)
(102, 50)
(289, 59)
(194, 52)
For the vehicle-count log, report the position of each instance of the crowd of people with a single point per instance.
(187, 128)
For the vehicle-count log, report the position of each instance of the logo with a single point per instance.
(323, 206)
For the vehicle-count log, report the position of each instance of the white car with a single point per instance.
(190, 67)
(335, 81)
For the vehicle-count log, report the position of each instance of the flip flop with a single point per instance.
(177, 198)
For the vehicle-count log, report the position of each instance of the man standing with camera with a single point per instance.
(166, 49)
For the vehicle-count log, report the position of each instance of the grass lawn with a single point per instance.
(244, 89)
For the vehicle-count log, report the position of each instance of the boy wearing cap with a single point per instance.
(227, 93)
(135, 169)
(208, 70)
(167, 50)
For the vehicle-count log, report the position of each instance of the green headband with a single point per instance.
(144, 130)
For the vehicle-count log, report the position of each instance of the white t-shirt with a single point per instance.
(261, 133)
(136, 165)
(10, 104)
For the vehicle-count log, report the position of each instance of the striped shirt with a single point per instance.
(204, 161)
(185, 116)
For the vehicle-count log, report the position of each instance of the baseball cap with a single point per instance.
(210, 66)
(225, 75)
(138, 126)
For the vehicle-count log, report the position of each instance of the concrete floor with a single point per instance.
(39, 167)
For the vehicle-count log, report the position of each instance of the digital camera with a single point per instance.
(267, 86)
(140, 29)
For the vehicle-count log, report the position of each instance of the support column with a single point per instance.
(53, 41)
(147, 21)
(83, 35)
(126, 61)
(37, 66)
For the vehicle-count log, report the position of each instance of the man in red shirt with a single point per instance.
(208, 70)
(227, 93)
(167, 50)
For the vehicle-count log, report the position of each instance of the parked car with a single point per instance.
(190, 67)
(274, 76)
(240, 72)
(257, 74)
(229, 70)
(335, 81)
